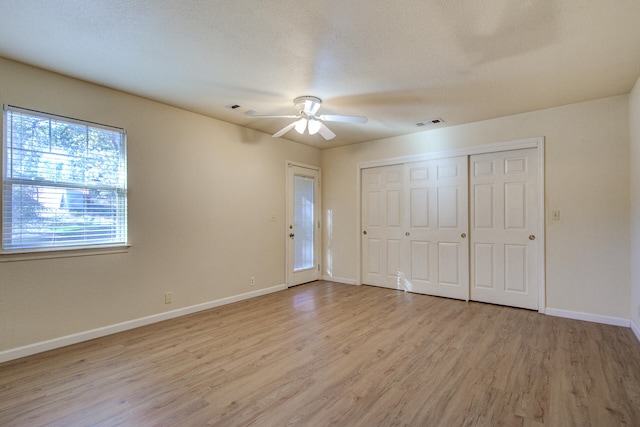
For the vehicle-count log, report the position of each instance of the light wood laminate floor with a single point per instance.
(333, 354)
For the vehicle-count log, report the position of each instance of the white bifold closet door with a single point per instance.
(505, 228)
(464, 227)
(415, 219)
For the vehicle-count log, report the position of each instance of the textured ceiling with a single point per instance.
(397, 63)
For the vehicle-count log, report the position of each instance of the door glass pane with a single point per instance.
(303, 222)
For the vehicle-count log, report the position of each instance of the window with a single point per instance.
(64, 183)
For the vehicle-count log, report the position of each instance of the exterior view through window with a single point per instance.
(304, 222)
(64, 183)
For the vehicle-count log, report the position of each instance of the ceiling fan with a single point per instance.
(307, 107)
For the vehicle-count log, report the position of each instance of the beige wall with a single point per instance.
(202, 192)
(201, 196)
(634, 121)
(587, 178)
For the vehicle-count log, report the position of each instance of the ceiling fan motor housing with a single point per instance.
(307, 104)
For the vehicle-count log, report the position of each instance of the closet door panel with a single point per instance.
(382, 224)
(436, 219)
(504, 228)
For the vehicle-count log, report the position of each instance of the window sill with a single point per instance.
(66, 253)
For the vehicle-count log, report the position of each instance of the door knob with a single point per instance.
(291, 235)
(407, 234)
(532, 237)
(364, 232)
(463, 235)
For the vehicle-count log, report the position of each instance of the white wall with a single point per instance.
(201, 196)
(634, 122)
(587, 178)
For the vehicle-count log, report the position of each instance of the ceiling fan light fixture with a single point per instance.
(313, 126)
(301, 125)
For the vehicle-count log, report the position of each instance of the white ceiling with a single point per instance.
(397, 63)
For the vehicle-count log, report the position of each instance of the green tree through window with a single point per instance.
(64, 183)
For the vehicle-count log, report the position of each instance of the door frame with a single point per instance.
(288, 219)
(537, 142)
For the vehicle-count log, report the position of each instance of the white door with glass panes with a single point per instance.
(303, 224)
(505, 228)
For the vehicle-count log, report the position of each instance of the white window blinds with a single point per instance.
(64, 183)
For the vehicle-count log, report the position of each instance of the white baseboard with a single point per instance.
(596, 318)
(339, 280)
(636, 329)
(16, 353)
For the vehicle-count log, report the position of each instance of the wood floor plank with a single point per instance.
(332, 354)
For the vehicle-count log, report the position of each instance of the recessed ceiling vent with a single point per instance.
(431, 122)
(238, 107)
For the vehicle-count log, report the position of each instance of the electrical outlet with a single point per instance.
(253, 281)
(168, 297)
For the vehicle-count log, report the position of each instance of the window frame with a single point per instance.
(117, 244)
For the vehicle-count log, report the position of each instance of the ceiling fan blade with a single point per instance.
(326, 132)
(284, 130)
(338, 118)
(255, 116)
